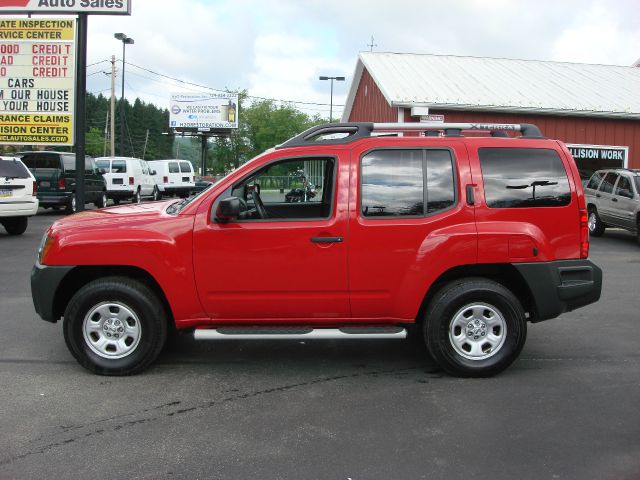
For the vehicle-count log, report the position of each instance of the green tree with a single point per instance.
(94, 141)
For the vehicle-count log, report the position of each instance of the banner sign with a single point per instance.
(108, 7)
(617, 155)
(37, 79)
(210, 111)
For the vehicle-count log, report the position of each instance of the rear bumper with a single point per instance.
(51, 199)
(561, 286)
(44, 285)
(19, 209)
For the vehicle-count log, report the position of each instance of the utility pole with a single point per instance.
(113, 106)
(106, 134)
(146, 140)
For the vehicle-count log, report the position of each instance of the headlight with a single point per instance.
(45, 245)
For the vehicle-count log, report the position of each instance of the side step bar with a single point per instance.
(276, 333)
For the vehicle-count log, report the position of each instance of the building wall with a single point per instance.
(369, 105)
(592, 131)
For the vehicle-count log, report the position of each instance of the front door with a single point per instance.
(285, 258)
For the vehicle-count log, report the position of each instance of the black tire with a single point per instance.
(15, 225)
(71, 204)
(137, 198)
(452, 304)
(132, 295)
(101, 202)
(596, 226)
(156, 194)
(638, 232)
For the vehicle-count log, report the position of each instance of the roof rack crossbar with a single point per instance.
(343, 133)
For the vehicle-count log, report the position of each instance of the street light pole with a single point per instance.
(337, 79)
(125, 41)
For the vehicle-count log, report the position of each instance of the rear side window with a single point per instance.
(118, 166)
(13, 169)
(595, 180)
(608, 182)
(104, 164)
(173, 167)
(523, 177)
(42, 160)
(623, 188)
(406, 183)
(185, 167)
(69, 163)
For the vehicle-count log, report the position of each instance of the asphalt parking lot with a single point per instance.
(567, 409)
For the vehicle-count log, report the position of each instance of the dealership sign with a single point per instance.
(109, 7)
(203, 112)
(600, 153)
(37, 75)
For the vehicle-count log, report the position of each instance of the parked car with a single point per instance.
(471, 238)
(55, 174)
(18, 199)
(128, 179)
(174, 177)
(613, 200)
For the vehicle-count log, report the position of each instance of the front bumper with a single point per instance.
(561, 286)
(45, 281)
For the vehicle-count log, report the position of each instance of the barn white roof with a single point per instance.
(498, 84)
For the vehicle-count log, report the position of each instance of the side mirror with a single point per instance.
(152, 172)
(228, 209)
(102, 171)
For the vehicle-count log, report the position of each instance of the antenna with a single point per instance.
(371, 45)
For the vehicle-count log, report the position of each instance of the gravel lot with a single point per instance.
(568, 409)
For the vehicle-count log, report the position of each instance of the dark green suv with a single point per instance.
(55, 174)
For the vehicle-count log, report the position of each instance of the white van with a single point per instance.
(18, 199)
(174, 177)
(128, 178)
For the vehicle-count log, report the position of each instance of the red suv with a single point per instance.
(470, 237)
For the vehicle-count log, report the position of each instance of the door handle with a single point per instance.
(326, 239)
(614, 199)
(471, 200)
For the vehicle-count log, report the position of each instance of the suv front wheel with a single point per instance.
(115, 326)
(475, 327)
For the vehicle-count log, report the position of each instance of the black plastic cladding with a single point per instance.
(358, 130)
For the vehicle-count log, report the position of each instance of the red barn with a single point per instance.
(595, 109)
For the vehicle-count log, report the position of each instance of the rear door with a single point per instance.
(46, 168)
(16, 184)
(186, 174)
(604, 197)
(408, 223)
(623, 203)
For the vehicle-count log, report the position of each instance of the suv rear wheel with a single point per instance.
(115, 326)
(137, 198)
(15, 225)
(71, 204)
(102, 200)
(596, 227)
(475, 327)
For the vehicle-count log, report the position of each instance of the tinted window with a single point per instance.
(119, 166)
(173, 167)
(595, 180)
(42, 160)
(609, 181)
(13, 169)
(185, 167)
(392, 183)
(103, 164)
(624, 188)
(523, 177)
(440, 189)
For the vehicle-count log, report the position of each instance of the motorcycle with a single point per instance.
(304, 194)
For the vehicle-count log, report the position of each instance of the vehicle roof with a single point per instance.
(118, 158)
(633, 171)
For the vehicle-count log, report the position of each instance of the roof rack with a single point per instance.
(344, 133)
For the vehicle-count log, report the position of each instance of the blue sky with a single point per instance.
(277, 49)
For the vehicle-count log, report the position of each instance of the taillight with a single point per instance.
(130, 180)
(62, 184)
(35, 188)
(584, 234)
(165, 179)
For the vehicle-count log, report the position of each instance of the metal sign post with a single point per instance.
(81, 89)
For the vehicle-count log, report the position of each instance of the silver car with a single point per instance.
(613, 200)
